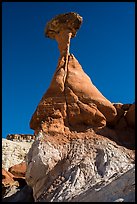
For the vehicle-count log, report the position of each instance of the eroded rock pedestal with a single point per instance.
(72, 102)
(72, 159)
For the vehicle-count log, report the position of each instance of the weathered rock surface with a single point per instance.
(68, 21)
(14, 185)
(123, 125)
(71, 165)
(80, 153)
(21, 137)
(118, 189)
(73, 104)
(10, 184)
(7, 178)
(19, 195)
(84, 144)
(125, 116)
(13, 152)
(130, 116)
(18, 170)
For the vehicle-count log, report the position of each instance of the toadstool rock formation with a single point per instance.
(71, 102)
(71, 158)
(62, 28)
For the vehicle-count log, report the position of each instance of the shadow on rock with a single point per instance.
(24, 195)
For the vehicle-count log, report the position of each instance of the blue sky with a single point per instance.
(104, 46)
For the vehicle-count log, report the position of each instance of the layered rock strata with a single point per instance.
(65, 169)
(21, 137)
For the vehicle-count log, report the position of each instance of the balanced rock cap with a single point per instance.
(71, 21)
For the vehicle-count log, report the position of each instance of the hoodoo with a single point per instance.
(83, 147)
(79, 153)
(72, 102)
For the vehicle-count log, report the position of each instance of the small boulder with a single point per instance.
(130, 116)
(18, 170)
